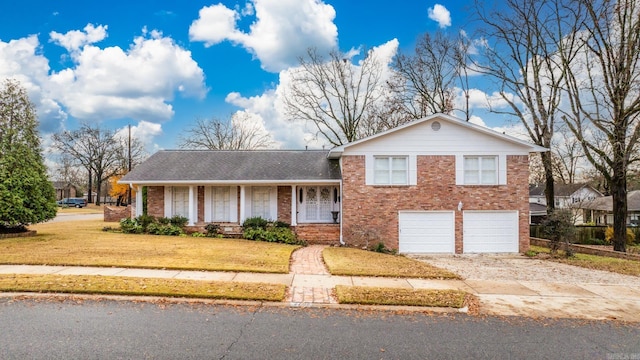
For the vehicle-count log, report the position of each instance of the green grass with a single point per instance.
(620, 266)
(395, 296)
(83, 243)
(113, 285)
(355, 262)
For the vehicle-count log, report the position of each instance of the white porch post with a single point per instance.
(138, 209)
(294, 206)
(192, 206)
(242, 204)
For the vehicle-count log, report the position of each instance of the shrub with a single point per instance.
(559, 226)
(593, 241)
(198, 234)
(163, 220)
(608, 236)
(144, 221)
(255, 223)
(212, 230)
(282, 235)
(164, 229)
(179, 221)
(281, 224)
(130, 226)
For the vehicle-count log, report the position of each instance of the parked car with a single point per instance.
(75, 202)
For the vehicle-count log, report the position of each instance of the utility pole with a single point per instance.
(129, 156)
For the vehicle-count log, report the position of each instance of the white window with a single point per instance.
(481, 170)
(220, 204)
(261, 202)
(180, 201)
(389, 170)
(317, 203)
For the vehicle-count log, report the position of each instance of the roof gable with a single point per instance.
(451, 134)
(198, 166)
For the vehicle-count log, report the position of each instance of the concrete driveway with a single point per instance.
(518, 285)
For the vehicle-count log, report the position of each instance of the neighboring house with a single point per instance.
(567, 196)
(64, 190)
(601, 209)
(435, 185)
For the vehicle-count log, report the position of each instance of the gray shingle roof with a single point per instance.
(235, 165)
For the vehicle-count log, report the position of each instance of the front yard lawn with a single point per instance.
(114, 285)
(356, 262)
(409, 297)
(620, 266)
(83, 243)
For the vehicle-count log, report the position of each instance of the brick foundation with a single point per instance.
(325, 234)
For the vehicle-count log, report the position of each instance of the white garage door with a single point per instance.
(490, 232)
(426, 232)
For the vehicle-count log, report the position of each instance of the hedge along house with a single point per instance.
(435, 185)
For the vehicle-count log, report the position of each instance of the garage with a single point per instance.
(490, 232)
(426, 232)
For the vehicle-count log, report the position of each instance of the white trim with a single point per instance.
(243, 204)
(294, 205)
(139, 204)
(227, 182)
(336, 152)
(233, 204)
(168, 201)
(193, 205)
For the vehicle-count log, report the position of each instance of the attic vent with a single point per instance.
(435, 126)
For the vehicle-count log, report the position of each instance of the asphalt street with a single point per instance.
(52, 328)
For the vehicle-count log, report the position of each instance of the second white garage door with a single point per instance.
(490, 232)
(426, 232)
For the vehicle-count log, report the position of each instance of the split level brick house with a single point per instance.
(435, 185)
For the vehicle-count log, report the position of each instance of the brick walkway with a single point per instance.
(308, 261)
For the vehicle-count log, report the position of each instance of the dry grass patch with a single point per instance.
(83, 243)
(355, 262)
(620, 266)
(113, 285)
(399, 296)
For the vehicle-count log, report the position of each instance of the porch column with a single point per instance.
(139, 205)
(294, 206)
(242, 204)
(192, 206)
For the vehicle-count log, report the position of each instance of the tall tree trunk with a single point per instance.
(619, 196)
(89, 192)
(548, 175)
(98, 187)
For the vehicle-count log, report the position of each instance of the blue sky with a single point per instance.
(159, 65)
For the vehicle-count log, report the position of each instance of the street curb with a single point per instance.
(247, 303)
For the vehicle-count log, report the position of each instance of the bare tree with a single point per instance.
(239, 133)
(523, 58)
(98, 150)
(567, 157)
(425, 82)
(603, 88)
(335, 95)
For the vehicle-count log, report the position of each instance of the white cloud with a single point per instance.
(145, 132)
(269, 107)
(74, 40)
(20, 60)
(441, 15)
(477, 120)
(138, 82)
(281, 32)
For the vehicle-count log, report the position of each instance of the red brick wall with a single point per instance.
(284, 204)
(155, 201)
(116, 213)
(371, 212)
(327, 234)
(201, 204)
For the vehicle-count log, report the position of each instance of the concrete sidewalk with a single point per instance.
(532, 299)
